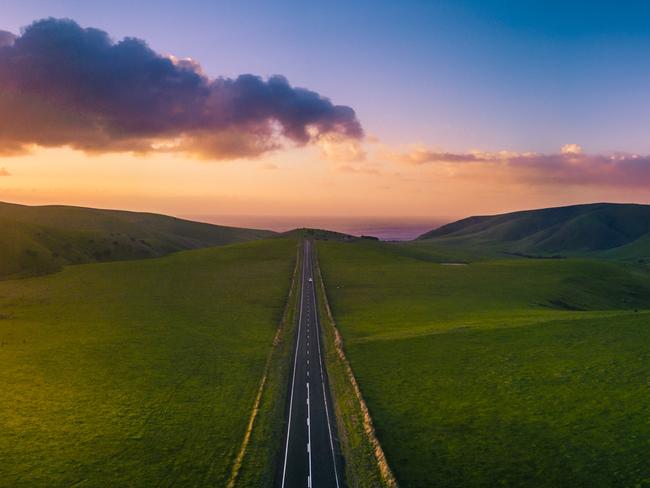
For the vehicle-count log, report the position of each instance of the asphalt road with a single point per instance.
(311, 455)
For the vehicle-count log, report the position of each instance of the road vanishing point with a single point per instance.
(311, 456)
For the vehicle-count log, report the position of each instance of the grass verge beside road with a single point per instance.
(261, 455)
(139, 373)
(365, 463)
(498, 373)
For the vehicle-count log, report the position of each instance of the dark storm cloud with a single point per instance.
(61, 84)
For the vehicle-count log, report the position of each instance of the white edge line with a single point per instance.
(295, 363)
(320, 359)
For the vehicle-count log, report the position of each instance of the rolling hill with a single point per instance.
(38, 240)
(599, 229)
(318, 234)
(144, 372)
(502, 372)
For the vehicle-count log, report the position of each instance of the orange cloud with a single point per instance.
(571, 149)
(358, 169)
(339, 147)
(269, 166)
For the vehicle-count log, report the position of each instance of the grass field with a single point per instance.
(139, 373)
(40, 240)
(514, 372)
(361, 465)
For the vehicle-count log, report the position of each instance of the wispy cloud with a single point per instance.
(6, 38)
(64, 85)
(268, 166)
(569, 166)
(358, 169)
(340, 147)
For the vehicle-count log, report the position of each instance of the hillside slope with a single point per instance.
(36, 240)
(606, 229)
(318, 234)
(141, 373)
(509, 372)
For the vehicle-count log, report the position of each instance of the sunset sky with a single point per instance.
(433, 110)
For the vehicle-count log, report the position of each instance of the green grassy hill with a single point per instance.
(138, 373)
(504, 372)
(318, 234)
(601, 229)
(37, 240)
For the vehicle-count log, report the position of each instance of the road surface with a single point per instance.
(311, 455)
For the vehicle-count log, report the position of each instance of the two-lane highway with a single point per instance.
(311, 456)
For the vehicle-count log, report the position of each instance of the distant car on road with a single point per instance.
(310, 280)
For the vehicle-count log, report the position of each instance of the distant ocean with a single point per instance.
(387, 229)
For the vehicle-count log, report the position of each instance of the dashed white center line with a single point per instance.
(293, 381)
(309, 435)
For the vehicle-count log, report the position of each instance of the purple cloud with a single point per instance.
(627, 170)
(570, 166)
(63, 85)
(6, 38)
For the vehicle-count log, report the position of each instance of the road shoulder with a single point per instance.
(259, 453)
(365, 463)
